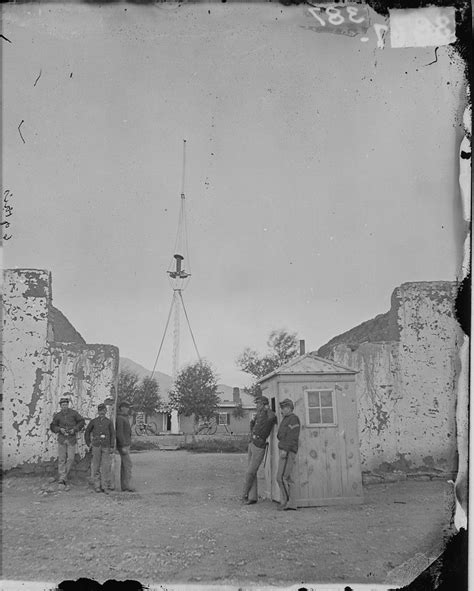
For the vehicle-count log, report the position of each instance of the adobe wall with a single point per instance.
(406, 388)
(36, 372)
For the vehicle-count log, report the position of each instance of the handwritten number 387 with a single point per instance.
(335, 16)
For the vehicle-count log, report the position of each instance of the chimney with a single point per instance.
(236, 395)
(301, 347)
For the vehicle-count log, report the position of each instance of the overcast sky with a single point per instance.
(321, 171)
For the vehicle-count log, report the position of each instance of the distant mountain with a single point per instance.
(164, 380)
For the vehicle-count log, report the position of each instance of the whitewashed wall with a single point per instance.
(406, 389)
(36, 372)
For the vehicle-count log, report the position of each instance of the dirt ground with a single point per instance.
(186, 524)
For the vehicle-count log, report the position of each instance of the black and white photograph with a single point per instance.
(236, 268)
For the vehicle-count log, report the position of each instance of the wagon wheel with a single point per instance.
(152, 427)
(201, 428)
(140, 429)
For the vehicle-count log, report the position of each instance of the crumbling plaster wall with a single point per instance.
(37, 372)
(407, 388)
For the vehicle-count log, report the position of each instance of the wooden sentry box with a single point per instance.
(328, 468)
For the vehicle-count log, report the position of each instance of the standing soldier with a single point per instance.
(66, 423)
(260, 429)
(287, 436)
(124, 439)
(103, 440)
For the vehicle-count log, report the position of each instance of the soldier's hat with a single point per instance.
(263, 400)
(102, 407)
(287, 402)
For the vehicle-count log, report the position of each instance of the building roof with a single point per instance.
(309, 364)
(225, 394)
(248, 401)
(231, 405)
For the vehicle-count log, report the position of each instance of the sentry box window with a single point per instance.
(320, 408)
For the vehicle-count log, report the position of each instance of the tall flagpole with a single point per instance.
(179, 278)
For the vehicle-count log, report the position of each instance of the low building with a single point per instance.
(235, 411)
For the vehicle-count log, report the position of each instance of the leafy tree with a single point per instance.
(142, 396)
(195, 391)
(148, 399)
(282, 347)
(128, 386)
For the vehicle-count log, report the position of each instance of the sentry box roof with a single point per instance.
(309, 364)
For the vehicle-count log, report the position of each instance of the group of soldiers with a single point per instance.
(101, 437)
(288, 436)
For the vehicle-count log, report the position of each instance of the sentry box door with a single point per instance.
(329, 461)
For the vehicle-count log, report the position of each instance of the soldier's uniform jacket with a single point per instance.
(261, 426)
(70, 420)
(124, 431)
(288, 433)
(102, 431)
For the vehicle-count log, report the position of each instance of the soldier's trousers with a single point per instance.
(125, 468)
(255, 457)
(100, 469)
(285, 480)
(66, 454)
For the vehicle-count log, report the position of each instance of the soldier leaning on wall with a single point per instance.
(124, 439)
(100, 435)
(66, 423)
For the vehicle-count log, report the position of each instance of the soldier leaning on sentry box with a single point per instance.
(288, 435)
(260, 429)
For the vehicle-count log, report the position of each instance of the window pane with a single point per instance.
(327, 415)
(314, 415)
(326, 398)
(313, 398)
